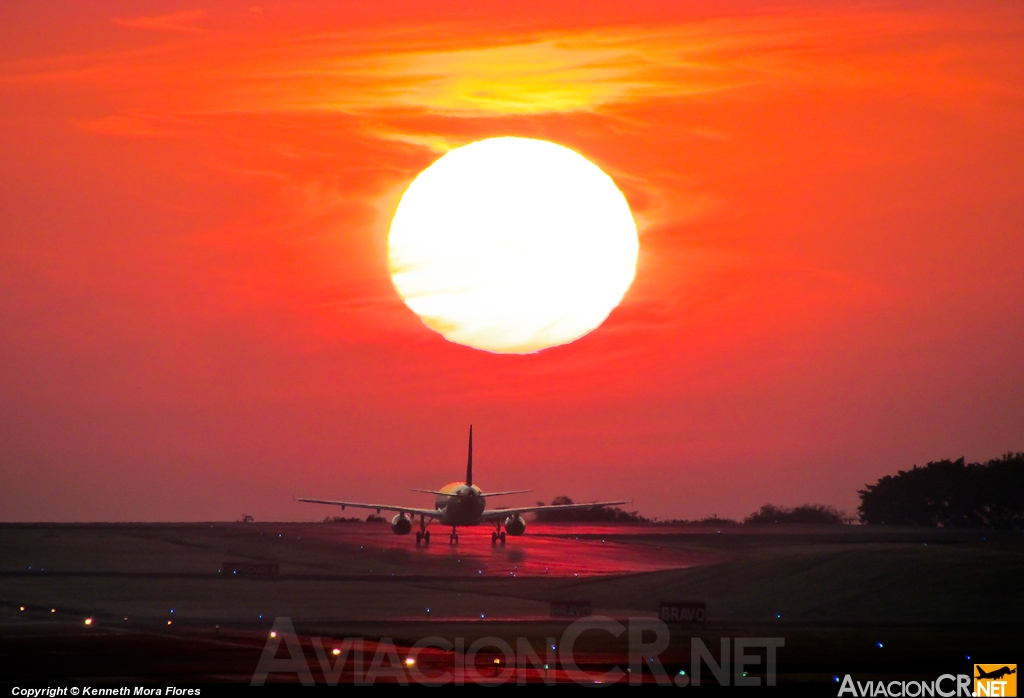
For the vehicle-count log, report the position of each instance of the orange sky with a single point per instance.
(196, 317)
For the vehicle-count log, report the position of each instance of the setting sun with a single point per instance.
(512, 245)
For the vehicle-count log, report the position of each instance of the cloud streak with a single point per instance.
(174, 22)
(572, 71)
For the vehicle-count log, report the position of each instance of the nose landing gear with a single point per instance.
(454, 539)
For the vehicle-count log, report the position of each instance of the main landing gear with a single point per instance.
(454, 539)
(496, 536)
(423, 534)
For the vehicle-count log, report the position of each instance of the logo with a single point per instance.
(995, 680)
(437, 661)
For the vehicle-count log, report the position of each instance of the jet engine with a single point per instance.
(401, 524)
(515, 526)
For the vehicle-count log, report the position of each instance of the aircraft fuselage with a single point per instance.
(462, 504)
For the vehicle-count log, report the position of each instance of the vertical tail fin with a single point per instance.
(469, 466)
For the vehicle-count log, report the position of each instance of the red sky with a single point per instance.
(196, 317)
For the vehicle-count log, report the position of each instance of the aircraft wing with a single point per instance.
(429, 513)
(493, 514)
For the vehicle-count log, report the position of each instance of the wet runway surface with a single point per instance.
(545, 550)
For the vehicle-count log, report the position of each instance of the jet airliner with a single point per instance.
(460, 504)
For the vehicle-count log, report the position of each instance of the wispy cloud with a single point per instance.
(569, 71)
(125, 126)
(437, 87)
(562, 73)
(174, 22)
(502, 74)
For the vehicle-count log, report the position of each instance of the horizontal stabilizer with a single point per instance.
(485, 494)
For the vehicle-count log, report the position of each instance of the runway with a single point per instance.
(549, 549)
(929, 596)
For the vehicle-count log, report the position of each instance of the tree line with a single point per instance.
(769, 513)
(946, 493)
(951, 494)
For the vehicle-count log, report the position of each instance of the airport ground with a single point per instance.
(873, 602)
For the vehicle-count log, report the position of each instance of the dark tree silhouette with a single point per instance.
(950, 494)
(806, 514)
(610, 514)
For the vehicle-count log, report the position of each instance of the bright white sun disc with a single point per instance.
(512, 245)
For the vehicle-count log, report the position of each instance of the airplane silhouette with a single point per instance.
(996, 673)
(460, 504)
